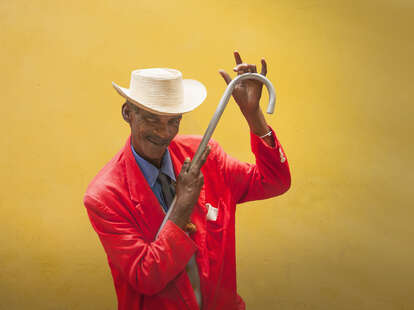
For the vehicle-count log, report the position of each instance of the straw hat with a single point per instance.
(163, 91)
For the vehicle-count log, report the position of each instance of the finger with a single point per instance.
(237, 57)
(200, 176)
(225, 76)
(241, 68)
(264, 67)
(205, 155)
(186, 165)
(253, 69)
(197, 165)
(201, 179)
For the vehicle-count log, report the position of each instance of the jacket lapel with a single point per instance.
(149, 211)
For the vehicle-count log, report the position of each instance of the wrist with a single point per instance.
(183, 223)
(177, 221)
(181, 213)
(257, 123)
(259, 127)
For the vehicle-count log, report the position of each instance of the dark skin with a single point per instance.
(247, 95)
(151, 134)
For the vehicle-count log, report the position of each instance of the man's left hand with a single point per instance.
(247, 95)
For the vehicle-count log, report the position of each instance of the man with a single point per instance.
(191, 264)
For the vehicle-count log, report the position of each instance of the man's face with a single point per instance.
(151, 133)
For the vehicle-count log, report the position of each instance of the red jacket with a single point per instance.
(126, 215)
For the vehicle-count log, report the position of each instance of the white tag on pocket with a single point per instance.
(212, 212)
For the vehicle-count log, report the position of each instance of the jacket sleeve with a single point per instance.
(268, 177)
(148, 266)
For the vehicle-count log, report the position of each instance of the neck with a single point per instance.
(155, 161)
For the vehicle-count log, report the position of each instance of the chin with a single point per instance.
(155, 153)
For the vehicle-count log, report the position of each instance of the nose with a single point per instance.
(163, 131)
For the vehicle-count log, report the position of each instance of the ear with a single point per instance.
(126, 113)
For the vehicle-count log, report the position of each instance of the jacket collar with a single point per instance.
(150, 171)
(139, 189)
(150, 212)
(138, 186)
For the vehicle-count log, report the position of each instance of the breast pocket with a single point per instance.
(215, 228)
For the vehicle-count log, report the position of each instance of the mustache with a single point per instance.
(159, 140)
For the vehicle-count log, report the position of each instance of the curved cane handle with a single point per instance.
(223, 103)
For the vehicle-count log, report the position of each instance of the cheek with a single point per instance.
(174, 129)
(138, 132)
(173, 132)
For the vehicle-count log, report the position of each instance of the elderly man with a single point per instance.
(191, 264)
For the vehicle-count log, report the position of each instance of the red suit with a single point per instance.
(126, 215)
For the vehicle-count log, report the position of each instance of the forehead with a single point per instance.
(148, 114)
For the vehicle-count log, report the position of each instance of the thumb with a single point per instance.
(225, 76)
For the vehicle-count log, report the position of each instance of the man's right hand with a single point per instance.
(187, 190)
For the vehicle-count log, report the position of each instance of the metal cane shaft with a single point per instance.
(216, 117)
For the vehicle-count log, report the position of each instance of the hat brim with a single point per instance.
(194, 94)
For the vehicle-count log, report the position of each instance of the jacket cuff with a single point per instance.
(259, 146)
(179, 241)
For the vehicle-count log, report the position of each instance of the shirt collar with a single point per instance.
(151, 172)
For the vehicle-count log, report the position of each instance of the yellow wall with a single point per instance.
(341, 238)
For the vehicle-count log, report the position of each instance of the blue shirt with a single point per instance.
(151, 173)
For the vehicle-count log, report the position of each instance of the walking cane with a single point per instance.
(216, 117)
